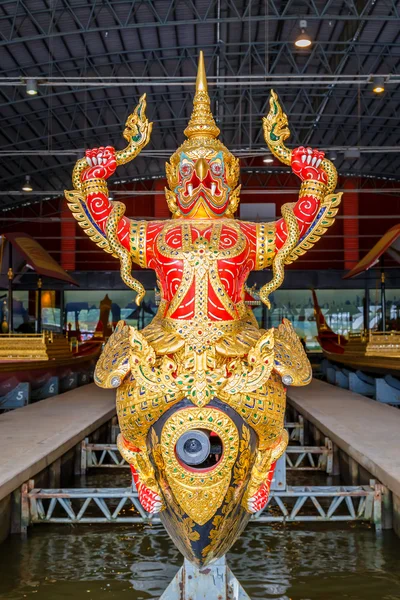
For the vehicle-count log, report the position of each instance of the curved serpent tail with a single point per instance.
(278, 269)
(331, 172)
(113, 221)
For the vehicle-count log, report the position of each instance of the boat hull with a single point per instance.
(38, 372)
(368, 364)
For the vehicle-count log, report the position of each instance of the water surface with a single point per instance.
(137, 562)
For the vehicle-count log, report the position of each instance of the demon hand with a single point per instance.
(260, 499)
(149, 499)
(101, 163)
(306, 164)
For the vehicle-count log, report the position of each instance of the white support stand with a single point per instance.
(208, 583)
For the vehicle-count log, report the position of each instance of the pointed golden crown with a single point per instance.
(202, 121)
(202, 141)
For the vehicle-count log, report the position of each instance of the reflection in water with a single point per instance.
(102, 563)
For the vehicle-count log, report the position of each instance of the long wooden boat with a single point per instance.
(34, 358)
(373, 352)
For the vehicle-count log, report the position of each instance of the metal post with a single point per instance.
(25, 509)
(214, 581)
(329, 456)
(366, 309)
(335, 460)
(264, 323)
(300, 419)
(55, 474)
(84, 456)
(39, 306)
(377, 514)
(387, 506)
(114, 430)
(383, 295)
(16, 511)
(77, 459)
(62, 311)
(354, 471)
(10, 275)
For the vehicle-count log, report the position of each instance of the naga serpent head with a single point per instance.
(276, 130)
(137, 127)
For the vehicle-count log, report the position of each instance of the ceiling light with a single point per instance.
(268, 159)
(303, 40)
(27, 187)
(378, 84)
(332, 155)
(31, 87)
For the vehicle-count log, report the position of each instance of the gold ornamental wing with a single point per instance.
(290, 358)
(76, 203)
(113, 364)
(324, 220)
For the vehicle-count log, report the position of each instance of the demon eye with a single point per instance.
(186, 169)
(216, 168)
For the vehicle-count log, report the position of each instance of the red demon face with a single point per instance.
(202, 190)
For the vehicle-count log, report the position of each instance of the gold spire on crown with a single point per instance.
(202, 121)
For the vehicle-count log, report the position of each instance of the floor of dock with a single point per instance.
(365, 429)
(33, 437)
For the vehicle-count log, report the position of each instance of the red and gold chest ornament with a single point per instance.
(201, 391)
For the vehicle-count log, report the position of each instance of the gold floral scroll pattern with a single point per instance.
(199, 493)
(195, 376)
(203, 271)
(184, 525)
(155, 383)
(263, 410)
(137, 411)
(228, 533)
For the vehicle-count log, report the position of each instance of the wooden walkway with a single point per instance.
(33, 437)
(365, 429)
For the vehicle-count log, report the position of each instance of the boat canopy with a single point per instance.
(390, 243)
(30, 252)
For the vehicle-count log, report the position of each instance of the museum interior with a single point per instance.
(200, 299)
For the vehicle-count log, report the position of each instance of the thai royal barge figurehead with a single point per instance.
(201, 390)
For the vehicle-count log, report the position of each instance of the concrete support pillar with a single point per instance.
(317, 437)
(396, 514)
(336, 461)
(354, 471)
(78, 459)
(55, 474)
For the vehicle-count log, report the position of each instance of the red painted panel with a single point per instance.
(68, 239)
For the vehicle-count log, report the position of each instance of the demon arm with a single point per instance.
(102, 219)
(304, 222)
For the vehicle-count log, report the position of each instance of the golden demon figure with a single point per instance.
(201, 390)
